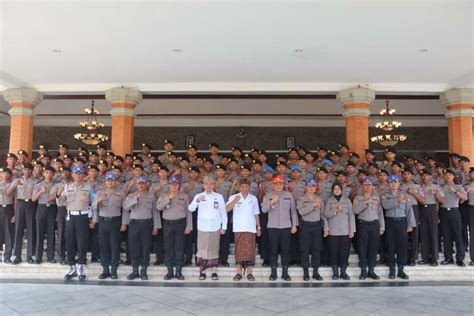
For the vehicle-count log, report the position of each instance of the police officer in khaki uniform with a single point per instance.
(399, 221)
(450, 219)
(107, 211)
(25, 212)
(429, 219)
(282, 222)
(312, 222)
(177, 222)
(223, 187)
(45, 194)
(7, 227)
(370, 225)
(141, 215)
(78, 198)
(469, 187)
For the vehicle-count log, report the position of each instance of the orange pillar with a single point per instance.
(459, 104)
(124, 101)
(23, 102)
(355, 102)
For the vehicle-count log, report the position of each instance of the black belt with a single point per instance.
(396, 219)
(427, 205)
(109, 219)
(25, 200)
(361, 221)
(5, 205)
(310, 223)
(147, 220)
(448, 208)
(174, 221)
(48, 205)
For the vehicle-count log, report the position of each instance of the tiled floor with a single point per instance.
(60, 299)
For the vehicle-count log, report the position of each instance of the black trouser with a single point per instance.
(368, 240)
(451, 226)
(339, 248)
(471, 233)
(465, 220)
(45, 224)
(279, 239)
(158, 244)
(77, 238)
(263, 243)
(413, 237)
(311, 242)
(25, 218)
(191, 241)
(325, 256)
(109, 240)
(383, 246)
(7, 229)
(139, 240)
(61, 231)
(94, 242)
(429, 231)
(173, 236)
(224, 243)
(295, 254)
(396, 237)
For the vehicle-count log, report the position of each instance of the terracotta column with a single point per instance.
(23, 102)
(124, 101)
(356, 113)
(459, 104)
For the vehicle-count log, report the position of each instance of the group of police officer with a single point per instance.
(314, 205)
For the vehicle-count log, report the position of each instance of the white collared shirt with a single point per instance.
(244, 213)
(212, 215)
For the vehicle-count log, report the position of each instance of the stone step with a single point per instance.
(156, 273)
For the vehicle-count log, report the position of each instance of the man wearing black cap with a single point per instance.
(45, 194)
(65, 173)
(7, 227)
(63, 150)
(214, 153)
(463, 178)
(191, 188)
(429, 219)
(168, 146)
(25, 213)
(12, 160)
(469, 187)
(450, 219)
(415, 195)
(22, 158)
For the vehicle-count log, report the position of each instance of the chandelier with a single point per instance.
(388, 125)
(92, 126)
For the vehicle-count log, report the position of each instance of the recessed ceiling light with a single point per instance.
(177, 50)
(57, 51)
(298, 50)
(423, 50)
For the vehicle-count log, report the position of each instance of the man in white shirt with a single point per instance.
(211, 223)
(246, 227)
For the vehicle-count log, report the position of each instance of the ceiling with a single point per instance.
(237, 46)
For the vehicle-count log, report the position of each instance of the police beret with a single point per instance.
(208, 160)
(27, 165)
(353, 154)
(220, 166)
(234, 148)
(12, 155)
(58, 160)
(63, 146)
(134, 166)
(281, 163)
(167, 141)
(246, 166)
(49, 168)
(343, 145)
(234, 160)
(407, 170)
(350, 163)
(22, 152)
(79, 159)
(334, 153)
(101, 146)
(340, 173)
(128, 155)
(110, 154)
(102, 162)
(253, 149)
(390, 150)
(36, 163)
(321, 148)
(383, 171)
(214, 145)
(42, 147)
(114, 167)
(7, 170)
(138, 158)
(464, 158)
(93, 153)
(171, 153)
(369, 151)
(145, 145)
(119, 158)
(397, 164)
(195, 169)
(92, 167)
(192, 147)
(65, 169)
(363, 172)
(451, 171)
(424, 172)
(67, 157)
(454, 155)
(165, 169)
(256, 162)
(322, 169)
(292, 149)
(262, 152)
(184, 158)
(371, 164)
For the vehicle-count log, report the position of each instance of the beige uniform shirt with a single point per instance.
(176, 208)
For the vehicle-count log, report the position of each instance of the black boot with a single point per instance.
(316, 274)
(284, 274)
(179, 275)
(401, 274)
(134, 274)
(113, 273)
(305, 274)
(372, 274)
(273, 275)
(335, 274)
(391, 273)
(170, 274)
(143, 274)
(105, 273)
(344, 275)
(363, 273)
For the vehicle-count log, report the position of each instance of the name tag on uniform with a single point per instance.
(286, 199)
(216, 205)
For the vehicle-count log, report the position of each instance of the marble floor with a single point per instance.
(92, 299)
